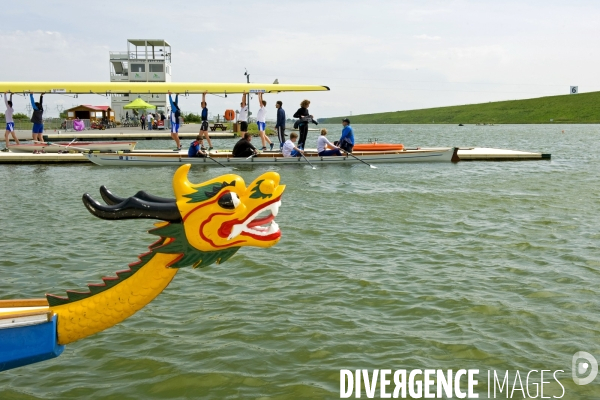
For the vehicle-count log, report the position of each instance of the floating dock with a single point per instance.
(464, 153)
(112, 135)
(47, 158)
(490, 154)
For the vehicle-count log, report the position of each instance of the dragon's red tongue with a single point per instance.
(261, 221)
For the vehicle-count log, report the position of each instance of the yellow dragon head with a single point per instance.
(223, 212)
(206, 222)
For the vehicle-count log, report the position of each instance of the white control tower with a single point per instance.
(146, 60)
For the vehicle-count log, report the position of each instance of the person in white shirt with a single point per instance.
(10, 123)
(243, 115)
(325, 147)
(289, 149)
(150, 120)
(261, 121)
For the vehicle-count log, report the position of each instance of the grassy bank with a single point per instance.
(576, 108)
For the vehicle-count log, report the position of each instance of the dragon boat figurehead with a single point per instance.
(206, 223)
(223, 212)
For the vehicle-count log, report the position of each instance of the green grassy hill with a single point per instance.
(574, 108)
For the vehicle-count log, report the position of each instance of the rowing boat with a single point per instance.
(159, 158)
(55, 147)
(378, 146)
(153, 87)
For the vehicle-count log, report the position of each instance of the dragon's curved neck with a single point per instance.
(82, 314)
(102, 310)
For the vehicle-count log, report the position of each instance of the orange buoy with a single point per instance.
(378, 147)
(229, 115)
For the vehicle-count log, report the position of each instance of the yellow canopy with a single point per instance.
(138, 104)
(152, 87)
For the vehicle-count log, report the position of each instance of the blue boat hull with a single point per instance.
(28, 344)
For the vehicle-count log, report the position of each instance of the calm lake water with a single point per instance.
(475, 265)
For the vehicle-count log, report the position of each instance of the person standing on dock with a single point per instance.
(37, 118)
(143, 121)
(346, 142)
(280, 125)
(10, 123)
(243, 115)
(175, 114)
(303, 126)
(261, 121)
(204, 123)
(149, 120)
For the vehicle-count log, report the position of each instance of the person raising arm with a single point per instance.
(175, 114)
(10, 123)
(261, 121)
(37, 118)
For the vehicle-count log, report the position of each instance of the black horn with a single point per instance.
(133, 208)
(112, 199)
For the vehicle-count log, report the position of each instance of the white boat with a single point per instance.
(220, 158)
(55, 147)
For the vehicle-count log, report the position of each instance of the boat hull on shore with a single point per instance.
(55, 147)
(445, 154)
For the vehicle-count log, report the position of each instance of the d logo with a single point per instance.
(580, 367)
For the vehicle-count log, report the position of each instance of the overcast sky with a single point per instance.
(375, 55)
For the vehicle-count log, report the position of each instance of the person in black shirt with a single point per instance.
(303, 126)
(243, 148)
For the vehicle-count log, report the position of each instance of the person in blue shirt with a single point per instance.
(37, 118)
(346, 141)
(175, 114)
(196, 148)
(204, 124)
(280, 125)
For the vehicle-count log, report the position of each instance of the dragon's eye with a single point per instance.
(229, 201)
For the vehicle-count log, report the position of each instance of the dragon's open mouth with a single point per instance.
(259, 225)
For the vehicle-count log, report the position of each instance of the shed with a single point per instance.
(86, 111)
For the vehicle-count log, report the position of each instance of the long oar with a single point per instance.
(302, 154)
(225, 166)
(71, 142)
(362, 161)
(62, 145)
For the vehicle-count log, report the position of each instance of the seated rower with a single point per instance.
(243, 148)
(289, 149)
(197, 148)
(323, 144)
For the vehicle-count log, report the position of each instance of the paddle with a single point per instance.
(362, 161)
(225, 166)
(62, 145)
(302, 154)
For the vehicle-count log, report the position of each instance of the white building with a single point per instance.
(146, 60)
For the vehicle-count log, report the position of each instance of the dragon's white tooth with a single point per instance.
(237, 229)
(275, 208)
